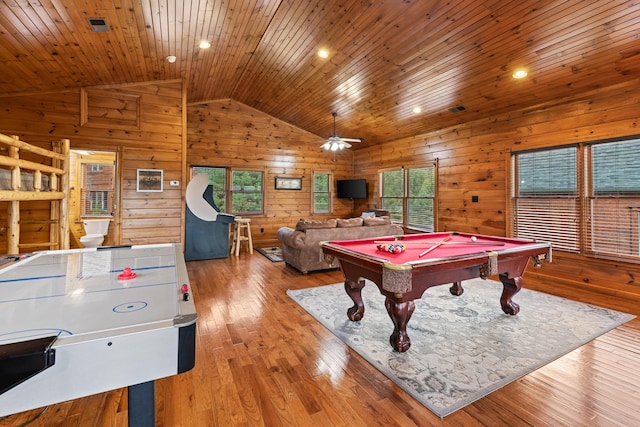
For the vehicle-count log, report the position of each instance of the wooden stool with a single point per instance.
(241, 233)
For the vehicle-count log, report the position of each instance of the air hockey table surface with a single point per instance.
(117, 317)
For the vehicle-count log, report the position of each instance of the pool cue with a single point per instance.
(434, 246)
(404, 242)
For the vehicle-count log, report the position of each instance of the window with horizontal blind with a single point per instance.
(545, 201)
(614, 198)
(409, 196)
(97, 189)
(583, 198)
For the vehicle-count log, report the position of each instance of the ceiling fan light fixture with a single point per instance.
(335, 143)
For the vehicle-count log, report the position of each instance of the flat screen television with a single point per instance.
(352, 188)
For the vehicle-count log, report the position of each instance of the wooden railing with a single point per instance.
(56, 193)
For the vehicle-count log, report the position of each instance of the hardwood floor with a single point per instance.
(262, 360)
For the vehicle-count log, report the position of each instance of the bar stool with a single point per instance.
(241, 233)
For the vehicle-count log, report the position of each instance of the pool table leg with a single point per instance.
(400, 313)
(510, 287)
(456, 289)
(354, 290)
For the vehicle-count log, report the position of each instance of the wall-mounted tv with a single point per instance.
(352, 188)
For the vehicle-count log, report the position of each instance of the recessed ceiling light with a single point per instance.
(520, 73)
(171, 59)
(417, 110)
(323, 53)
(204, 44)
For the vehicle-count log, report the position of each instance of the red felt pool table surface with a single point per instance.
(457, 244)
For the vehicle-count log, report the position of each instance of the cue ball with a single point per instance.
(474, 238)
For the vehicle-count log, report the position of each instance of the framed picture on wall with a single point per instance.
(149, 180)
(283, 183)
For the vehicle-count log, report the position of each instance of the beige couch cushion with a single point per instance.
(351, 222)
(311, 224)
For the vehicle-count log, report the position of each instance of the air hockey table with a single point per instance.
(84, 321)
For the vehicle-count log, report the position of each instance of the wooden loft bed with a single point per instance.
(26, 180)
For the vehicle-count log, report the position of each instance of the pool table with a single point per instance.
(427, 260)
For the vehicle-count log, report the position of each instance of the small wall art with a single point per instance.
(149, 180)
(283, 183)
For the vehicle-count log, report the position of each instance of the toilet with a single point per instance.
(95, 230)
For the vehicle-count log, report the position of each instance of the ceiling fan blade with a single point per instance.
(350, 139)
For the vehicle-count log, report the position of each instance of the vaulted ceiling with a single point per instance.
(385, 56)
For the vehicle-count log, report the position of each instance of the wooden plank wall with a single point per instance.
(229, 134)
(473, 159)
(154, 140)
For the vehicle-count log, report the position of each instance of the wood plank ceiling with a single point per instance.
(385, 57)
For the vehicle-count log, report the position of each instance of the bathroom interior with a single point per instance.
(92, 198)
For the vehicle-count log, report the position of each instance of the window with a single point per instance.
(97, 189)
(593, 212)
(614, 198)
(218, 181)
(545, 201)
(409, 196)
(321, 192)
(392, 197)
(246, 192)
(244, 196)
(421, 194)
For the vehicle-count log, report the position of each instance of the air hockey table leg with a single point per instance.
(142, 408)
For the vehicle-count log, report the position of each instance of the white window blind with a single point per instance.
(614, 198)
(97, 190)
(545, 202)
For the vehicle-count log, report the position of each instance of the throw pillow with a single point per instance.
(379, 220)
(368, 215)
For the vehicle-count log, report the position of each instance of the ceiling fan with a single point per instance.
(335, 143)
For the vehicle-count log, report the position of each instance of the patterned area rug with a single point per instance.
(274, 253)
(462, 348)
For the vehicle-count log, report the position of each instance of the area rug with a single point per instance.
(462, 348)
(274, 254)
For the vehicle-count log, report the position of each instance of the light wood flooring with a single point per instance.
(261, 360)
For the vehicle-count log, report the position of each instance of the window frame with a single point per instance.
(403, 218)
(229, 189)
(596, 237)
(329, 192)
(89, 166)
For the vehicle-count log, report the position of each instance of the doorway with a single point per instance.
(93, 193)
